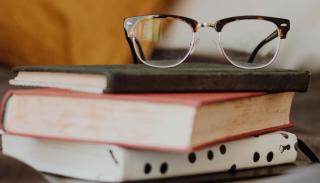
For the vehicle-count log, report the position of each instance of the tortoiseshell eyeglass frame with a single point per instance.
(283, 26)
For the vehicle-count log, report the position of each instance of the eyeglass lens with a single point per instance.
(250, 43)
(162, 41)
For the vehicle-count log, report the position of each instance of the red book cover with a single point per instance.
(193, 99)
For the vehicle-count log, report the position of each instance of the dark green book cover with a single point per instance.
(188, 77)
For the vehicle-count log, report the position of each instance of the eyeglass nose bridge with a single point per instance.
(206, 24)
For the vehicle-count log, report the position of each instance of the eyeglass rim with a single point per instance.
(282, 24)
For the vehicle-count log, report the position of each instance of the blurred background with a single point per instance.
(46, 32)
(59, 32)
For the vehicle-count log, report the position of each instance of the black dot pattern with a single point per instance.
(192, 157)
(284, 135)
(256, 157)
(296, 146)
(164, 168)
(147, 168)
(210, 155)
(223, 149)
(233, 168)
(270, 156)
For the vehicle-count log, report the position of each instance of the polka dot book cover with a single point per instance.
(101, 162)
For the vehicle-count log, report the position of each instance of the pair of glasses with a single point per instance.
(164, 41)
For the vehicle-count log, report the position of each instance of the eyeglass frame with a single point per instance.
(283, 26)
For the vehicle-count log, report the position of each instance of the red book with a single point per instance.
(174, 122)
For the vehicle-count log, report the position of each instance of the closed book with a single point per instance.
(188, 77)
(101, 162)
(172, 121)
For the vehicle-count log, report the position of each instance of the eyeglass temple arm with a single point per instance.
(273, 35)
(133, 53)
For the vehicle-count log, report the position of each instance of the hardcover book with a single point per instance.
(115, 164)
(187, 77)
(172, 122)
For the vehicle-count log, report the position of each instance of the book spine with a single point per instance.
(3, 104)
(125, 83)
(260, 151)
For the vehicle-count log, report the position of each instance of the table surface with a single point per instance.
(304, 114)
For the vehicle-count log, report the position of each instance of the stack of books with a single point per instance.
(133, 122)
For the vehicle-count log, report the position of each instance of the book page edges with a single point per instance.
(23, 111)
(92, 83)
(70, 159)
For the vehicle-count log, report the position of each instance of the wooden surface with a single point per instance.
(305, 115)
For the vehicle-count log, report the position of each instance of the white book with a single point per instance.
(101, 162)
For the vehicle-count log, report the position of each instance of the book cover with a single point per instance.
(114, 163)
(188, 77)
(189, 121)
